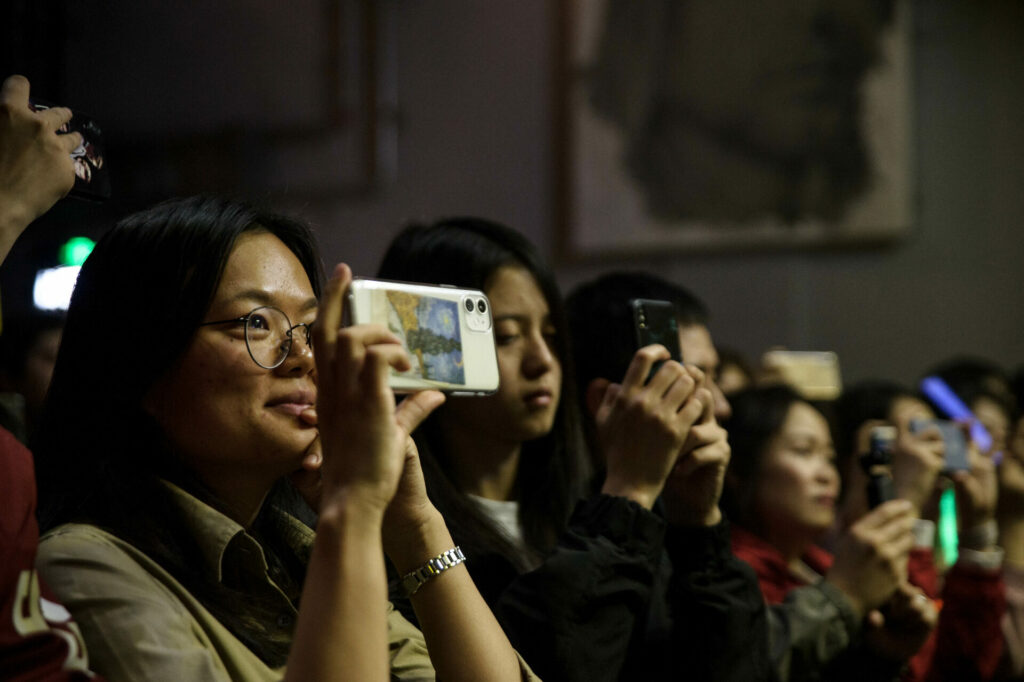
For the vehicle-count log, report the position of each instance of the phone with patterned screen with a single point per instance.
(447, 331)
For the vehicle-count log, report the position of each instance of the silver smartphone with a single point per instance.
(448, 332)
(953, 439)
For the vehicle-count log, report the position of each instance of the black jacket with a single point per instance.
(623, 598)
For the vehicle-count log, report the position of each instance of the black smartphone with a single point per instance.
(655, 322)
(877, 464)
(92, 178)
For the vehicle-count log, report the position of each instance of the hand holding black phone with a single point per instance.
(92, 178)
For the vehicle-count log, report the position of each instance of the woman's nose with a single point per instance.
(300, 354)
(540, 357)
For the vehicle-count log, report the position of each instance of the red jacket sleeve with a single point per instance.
(38, 639)
(969, 637)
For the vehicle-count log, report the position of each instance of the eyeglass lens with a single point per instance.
(268, 333)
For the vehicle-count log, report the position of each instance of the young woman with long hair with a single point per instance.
(569, 571)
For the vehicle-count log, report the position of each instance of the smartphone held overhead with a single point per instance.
(447, 331)
(92, 178)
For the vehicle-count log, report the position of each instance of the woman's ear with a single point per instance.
(595, 395)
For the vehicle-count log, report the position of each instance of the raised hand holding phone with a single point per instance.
(364, 444)
(35, 161)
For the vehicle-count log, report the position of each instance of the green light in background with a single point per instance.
(948, 540)
(75, 250)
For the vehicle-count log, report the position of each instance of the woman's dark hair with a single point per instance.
(758, 415)
(139, 299)
(467, 252)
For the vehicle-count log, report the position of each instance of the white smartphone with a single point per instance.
(448, 332)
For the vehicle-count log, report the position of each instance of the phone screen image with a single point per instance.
(430, 330)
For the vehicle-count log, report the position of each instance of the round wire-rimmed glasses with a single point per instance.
(268, 335)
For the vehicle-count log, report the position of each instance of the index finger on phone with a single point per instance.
(55, 117)
(374, 335)
(707, 401)
(329, 316)
(640, 367)
(71, 141)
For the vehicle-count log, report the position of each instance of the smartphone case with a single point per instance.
(655, 322)
(448, 332)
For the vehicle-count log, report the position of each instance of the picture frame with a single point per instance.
(676, 133)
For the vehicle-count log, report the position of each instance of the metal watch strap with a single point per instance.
(412, 581)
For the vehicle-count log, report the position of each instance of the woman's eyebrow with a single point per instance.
(522, 317)
(514, 317)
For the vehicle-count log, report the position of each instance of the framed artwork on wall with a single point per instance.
(686, 125)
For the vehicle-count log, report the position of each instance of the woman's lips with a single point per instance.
(294, 409)
(826, 500)
(299, 404)
(541, 398)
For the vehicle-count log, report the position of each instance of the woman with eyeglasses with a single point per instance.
(186, 394)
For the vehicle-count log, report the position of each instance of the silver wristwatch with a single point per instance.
(411, 582)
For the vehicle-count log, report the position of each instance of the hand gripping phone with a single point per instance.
(447, 331)
(92, 176)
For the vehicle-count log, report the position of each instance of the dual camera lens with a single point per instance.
(480, 305)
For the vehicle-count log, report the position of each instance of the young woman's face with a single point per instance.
(798, 483)
(217, 407)
(525, 404)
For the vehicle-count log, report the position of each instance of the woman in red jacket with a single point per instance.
(781, 493)
(782, 490)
